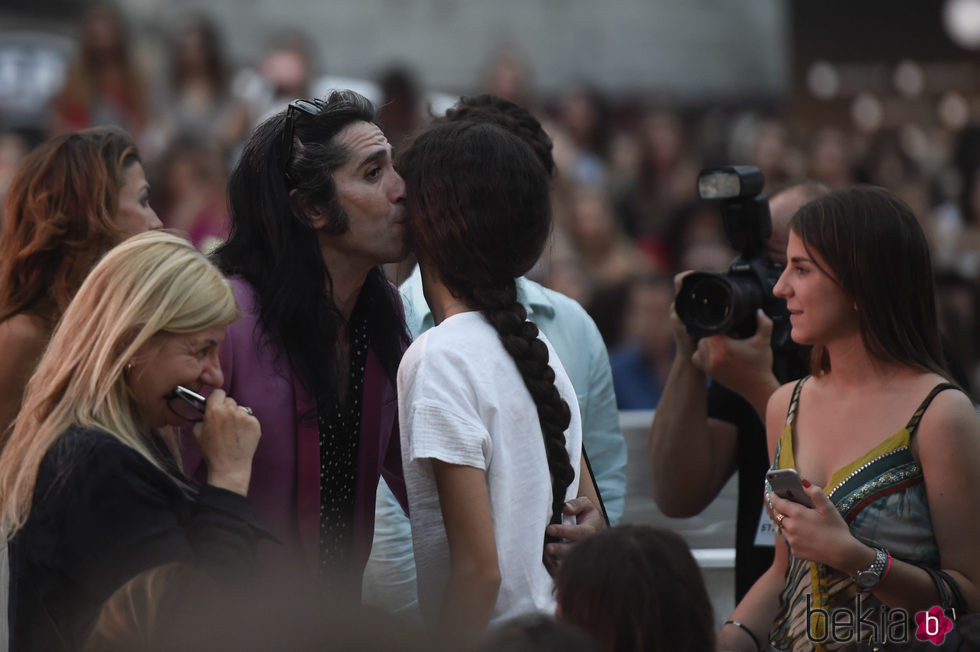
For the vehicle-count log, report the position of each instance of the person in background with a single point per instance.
(636, 588)
(390, 574)
(491, 432)
(829, 157)
(640, 365)
(92, 493)
(886, 445)
(665, 177)
(14, 146)
(71, 199)
(403, 107)
(402, 112)
(584, 113)
(507, 74)
(609, 257)
(105, 85)
(197, 102)
(190, 179)
(285, 71)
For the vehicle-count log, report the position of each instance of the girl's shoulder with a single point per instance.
(933, 395)
(24, 330)
(461, 333)
(777, 414)
(951, 413)
(461, 341)
(23, 338)
(941, 417)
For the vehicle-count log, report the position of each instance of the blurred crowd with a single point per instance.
(626, 211)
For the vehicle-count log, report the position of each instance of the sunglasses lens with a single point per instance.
(311, 107)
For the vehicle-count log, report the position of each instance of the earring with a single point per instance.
(128, 368)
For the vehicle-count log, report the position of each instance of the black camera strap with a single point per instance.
(602, 504)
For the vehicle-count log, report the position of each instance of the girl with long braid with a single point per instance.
(491, 437)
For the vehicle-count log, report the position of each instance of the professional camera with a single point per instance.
(712, 304)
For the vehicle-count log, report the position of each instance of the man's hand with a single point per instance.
(588, 521)
(743, 366)
(729, 360)
(683, 341)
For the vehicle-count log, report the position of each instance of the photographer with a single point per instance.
(701, 433)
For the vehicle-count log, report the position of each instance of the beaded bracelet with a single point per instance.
(748, 631)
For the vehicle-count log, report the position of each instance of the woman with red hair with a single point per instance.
(71, 199)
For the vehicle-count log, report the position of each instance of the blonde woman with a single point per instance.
(91, 491)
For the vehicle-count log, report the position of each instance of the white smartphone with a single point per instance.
(787, 484)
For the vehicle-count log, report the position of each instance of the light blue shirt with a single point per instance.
(389, 580)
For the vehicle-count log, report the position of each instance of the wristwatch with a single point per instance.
(868, 578)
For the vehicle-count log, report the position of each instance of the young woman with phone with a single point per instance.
(887, 447)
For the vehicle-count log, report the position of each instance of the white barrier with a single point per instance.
(711, 534)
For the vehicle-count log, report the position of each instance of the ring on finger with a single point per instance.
(247, 409)
(779, 518)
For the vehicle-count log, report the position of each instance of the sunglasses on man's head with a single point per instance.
(307, 107)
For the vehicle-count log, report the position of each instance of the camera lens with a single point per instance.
(704, 303)
(713, 304)
(710, 303)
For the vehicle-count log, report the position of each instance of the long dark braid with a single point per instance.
(520, 338)
(480, 214)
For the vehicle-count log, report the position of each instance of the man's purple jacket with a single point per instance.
(285, 485)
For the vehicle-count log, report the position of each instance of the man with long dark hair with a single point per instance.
(317, 208)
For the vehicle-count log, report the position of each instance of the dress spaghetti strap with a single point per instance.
(913, 423)
(794, 402)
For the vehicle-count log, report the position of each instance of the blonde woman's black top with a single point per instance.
(102, 514)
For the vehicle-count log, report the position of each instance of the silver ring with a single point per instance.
(247, 409)
(779, 517)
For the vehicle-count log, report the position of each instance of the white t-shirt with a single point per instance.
(462, 400)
